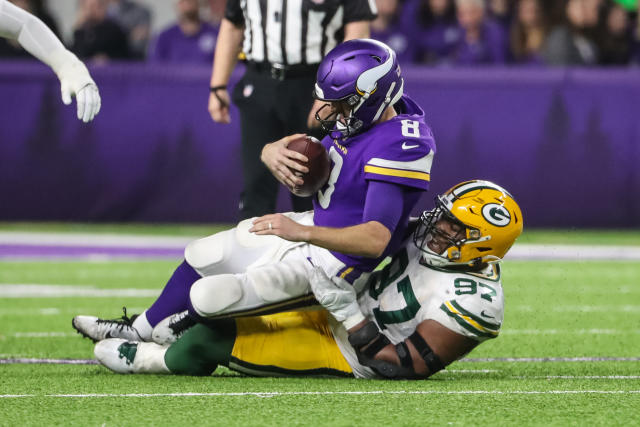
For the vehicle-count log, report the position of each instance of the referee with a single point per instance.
(283, 41)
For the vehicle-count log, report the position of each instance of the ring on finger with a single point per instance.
(270, 226)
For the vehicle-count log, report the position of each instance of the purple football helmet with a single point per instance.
(364, 74)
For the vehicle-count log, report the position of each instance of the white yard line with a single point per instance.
(25, 360)
(57, 291)
(50, 311)
(518, 252)
(327, 393)
(580, 377)
(506, 332)
(572, 252)
(33, 361)
(94, 240)
(570, 331)
(43, 334)
(549, 359)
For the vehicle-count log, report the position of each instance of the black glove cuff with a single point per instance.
(364, 335)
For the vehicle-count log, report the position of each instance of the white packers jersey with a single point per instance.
(407, 292)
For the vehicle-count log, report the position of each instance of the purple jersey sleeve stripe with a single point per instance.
(377, 170)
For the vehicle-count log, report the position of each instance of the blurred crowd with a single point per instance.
(438, 33)
(521, 32)
(107, 30)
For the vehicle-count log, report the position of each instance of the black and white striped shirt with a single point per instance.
(292, 32)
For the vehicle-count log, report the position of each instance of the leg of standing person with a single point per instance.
(297, 102)
(256, 98)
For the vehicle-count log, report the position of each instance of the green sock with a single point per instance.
(202, 348)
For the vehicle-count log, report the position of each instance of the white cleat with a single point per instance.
(131, 357)
(117, 354)
(98, 329)
(170, 329)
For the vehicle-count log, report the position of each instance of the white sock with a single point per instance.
(150, 359)
(142, 325)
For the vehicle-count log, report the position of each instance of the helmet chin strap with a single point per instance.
(353, 126)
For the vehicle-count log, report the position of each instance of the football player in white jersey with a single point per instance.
(37, 39)
(438, 298)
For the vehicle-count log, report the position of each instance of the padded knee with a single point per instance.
(211, 295)
(205, 253)
(279, 282)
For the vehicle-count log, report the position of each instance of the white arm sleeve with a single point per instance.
(37, 39)
(32, 34)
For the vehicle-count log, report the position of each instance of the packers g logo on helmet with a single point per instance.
(489, 215)
(496, 214)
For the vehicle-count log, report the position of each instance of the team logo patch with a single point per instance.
(247, 91)
(496, 214)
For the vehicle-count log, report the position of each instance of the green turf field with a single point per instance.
(578, 311)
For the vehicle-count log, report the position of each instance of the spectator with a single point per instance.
(388, 29)
(216, 12)
(482, 41)
(190, 40)
(96, 36)
(636, 42)
(435, 23)
(568, 44)
(135, 20)
(528, 32)
(617, 40)
(501, 11)
(10, 48)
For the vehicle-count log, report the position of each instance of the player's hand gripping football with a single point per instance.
(281, 226)
(282, 161)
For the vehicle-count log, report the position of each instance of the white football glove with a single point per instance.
(339, 299)
(76, 81)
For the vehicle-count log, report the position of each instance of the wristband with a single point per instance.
(214, 90)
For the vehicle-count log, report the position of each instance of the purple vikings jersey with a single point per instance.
(398, 151)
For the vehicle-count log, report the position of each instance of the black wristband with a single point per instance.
(217, 88)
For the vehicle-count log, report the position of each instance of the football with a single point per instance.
(318, 164)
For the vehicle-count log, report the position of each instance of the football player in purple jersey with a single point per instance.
(381, 152)
(37, 39)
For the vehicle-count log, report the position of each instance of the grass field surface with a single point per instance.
(568, 353)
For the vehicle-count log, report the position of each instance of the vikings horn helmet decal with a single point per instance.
(365, 75)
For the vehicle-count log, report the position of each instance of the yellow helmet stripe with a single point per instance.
(399, 173)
